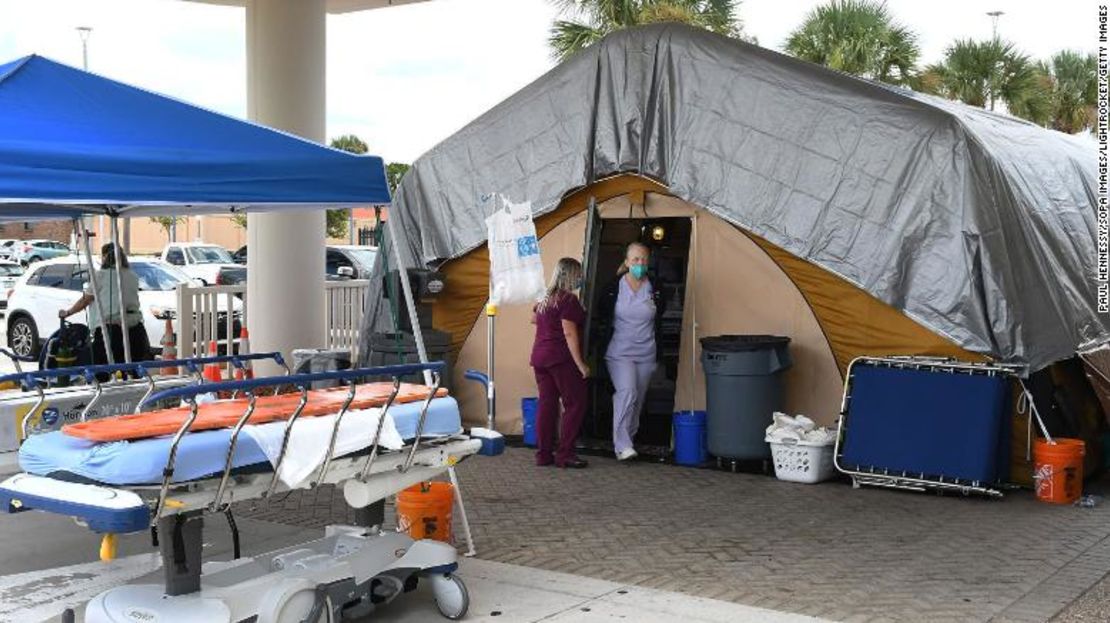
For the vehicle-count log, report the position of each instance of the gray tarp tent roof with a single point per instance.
(979, 226)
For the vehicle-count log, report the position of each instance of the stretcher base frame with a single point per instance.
(346, 575)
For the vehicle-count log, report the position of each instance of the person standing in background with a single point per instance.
(109, 296)
(560, 368)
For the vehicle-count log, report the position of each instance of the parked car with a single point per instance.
(340, 261)
(28, 252)
(7, 247)
(9, 273)
(57, 284)
(360, 259)
(231, 275)
(199, 260)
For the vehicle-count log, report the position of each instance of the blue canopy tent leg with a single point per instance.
(80, 223)
(410, 303)
(119, 294)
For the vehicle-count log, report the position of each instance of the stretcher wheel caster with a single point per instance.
(291, 600)
(451, 597)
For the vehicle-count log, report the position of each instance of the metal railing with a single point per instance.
(202, 316)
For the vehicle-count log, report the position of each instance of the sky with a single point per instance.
(407, 77)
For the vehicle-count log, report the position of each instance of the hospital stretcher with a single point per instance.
(344, 575)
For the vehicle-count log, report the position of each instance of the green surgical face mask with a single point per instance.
(639, 271)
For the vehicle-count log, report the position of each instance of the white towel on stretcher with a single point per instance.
(309, 439)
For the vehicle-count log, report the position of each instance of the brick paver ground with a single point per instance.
(826, 550)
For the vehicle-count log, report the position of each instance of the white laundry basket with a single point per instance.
(802, 461)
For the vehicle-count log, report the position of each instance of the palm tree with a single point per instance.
(605, 16)
(1075, 90)
(350, 143)
(983, 73)
(859, 37)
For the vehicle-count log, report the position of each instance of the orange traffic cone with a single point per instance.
(246, 372)
(212, 370)
(169, 348)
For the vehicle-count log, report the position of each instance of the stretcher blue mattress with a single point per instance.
(939, 424)
(199, 455)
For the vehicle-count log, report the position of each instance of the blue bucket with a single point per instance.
(528, 408)
(690, 438)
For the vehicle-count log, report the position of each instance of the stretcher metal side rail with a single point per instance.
(302, 382)
(36, 380)
(903, 480)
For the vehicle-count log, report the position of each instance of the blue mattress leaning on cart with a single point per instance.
(199, 455)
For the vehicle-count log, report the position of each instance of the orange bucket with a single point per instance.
(1058, 470)
(424, 510)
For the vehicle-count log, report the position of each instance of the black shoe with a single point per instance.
(575, 464)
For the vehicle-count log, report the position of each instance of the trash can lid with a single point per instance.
(392, 342)
(742, 343)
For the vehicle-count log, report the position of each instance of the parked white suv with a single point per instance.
(56, 284)
(199, 260)
(9, 274)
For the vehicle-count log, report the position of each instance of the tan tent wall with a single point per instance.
(857, 323)
(739, 287)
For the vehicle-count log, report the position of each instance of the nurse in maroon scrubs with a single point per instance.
(560, 368)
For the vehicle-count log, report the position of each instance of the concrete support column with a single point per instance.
(285, 258)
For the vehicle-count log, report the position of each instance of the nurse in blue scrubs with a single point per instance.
(633, 305)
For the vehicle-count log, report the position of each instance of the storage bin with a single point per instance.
(802, 461)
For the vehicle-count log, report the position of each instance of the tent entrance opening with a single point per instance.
(669, 242)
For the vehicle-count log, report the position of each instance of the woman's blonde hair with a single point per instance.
(564, 280)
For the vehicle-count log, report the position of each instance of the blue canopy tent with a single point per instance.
(74, 144)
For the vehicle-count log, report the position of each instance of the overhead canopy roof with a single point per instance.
(332, 6)
(72, 142)
(979, 226)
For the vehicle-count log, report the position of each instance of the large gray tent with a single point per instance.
(979, 226)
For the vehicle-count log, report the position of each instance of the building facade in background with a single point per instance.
(58, 231)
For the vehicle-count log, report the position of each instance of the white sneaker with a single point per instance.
(627, 453)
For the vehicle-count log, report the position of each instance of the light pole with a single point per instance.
(84, 32)
(994, 15)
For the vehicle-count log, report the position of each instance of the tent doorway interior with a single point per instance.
(669, 242)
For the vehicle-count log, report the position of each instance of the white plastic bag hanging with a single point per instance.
(516, 270)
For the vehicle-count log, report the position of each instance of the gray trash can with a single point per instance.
(312, 360)
(396, 348)
(744, 386)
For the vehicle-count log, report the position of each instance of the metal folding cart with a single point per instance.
(926, 424)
